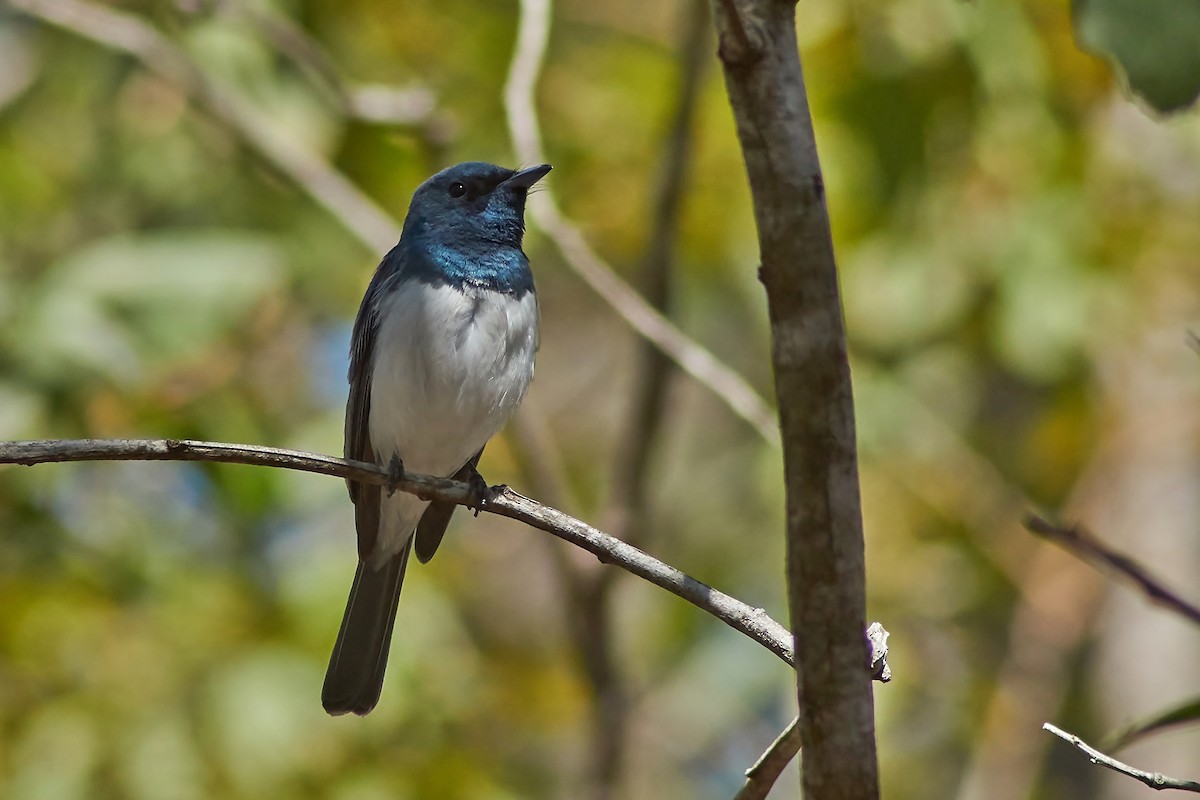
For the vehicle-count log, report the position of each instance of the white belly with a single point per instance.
(450, 367)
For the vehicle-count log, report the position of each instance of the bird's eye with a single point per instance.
(457, 190)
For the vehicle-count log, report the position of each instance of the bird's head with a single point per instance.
(472, 204)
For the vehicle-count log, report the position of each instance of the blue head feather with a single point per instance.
(464, 227)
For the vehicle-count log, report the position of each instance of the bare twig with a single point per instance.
(753, 622)
(1078, 541)
(127, 33)
(771, 764)
(532, 36)
(591, 591)
(1155, 780)
(296, 44)
(627, 505)
(409, 106)
(360, 215)
(1185, 713)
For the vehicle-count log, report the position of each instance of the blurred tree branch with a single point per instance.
(532, 35)
(825, 557)
(627, 505)
(771, 764)
(1079, 542)
(590, 590)
(761, 777)
(1155, 780)
(127, 33)
(753, 622)
(413, 106)
(371, 224)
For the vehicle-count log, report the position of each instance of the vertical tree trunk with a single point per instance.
(825, 573)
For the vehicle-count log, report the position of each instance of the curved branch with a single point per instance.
(1155, 780)
(127, 33)
(753, 622)
(1082, 544)
(363, 217)
(532, 35)
(771, 764)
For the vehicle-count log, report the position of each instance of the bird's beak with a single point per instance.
(528, 177)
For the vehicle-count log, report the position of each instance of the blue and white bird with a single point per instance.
(441, 355)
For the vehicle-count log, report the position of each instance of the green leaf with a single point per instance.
(1156, 43)
(1188, 711)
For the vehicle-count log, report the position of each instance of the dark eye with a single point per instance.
(457, 189)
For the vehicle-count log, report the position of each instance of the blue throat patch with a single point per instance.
(503, 269)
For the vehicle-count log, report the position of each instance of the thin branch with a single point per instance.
(532, 35)
(771, 764)
(753, 622)
(1185, 713)
(628, 505)
(295, 43)
(361, 215)
(1155, 780)
(1079, 542)
(127, 33)
(408, 106)
(761, 777)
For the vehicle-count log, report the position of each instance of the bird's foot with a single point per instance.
(481, 493)
(395, 473)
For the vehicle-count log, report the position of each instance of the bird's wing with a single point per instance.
(358, 407)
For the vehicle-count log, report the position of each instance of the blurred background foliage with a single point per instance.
(1020, 253)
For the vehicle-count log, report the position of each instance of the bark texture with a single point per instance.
(825, 572)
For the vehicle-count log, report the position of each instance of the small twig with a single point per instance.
(363, 218)
(533, 33)
(771, 764)
(412, 106)
(753, 622)
(1081, 543)
(1155, 780)
(405, 106)
(627, 510)
(628, 501)
(127, 33)
(296, 44)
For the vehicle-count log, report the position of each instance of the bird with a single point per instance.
(441, 355)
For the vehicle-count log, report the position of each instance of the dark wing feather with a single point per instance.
(358, 407)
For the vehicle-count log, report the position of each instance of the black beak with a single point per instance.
(528, 177)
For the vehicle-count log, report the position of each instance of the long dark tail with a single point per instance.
(355, 675)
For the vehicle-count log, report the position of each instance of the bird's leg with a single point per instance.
(480, 491)
(395, 473)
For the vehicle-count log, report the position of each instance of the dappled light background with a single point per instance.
(1020, 254)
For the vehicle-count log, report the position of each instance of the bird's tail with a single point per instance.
(355, 675)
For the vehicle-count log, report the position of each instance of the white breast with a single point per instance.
(450, 367)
